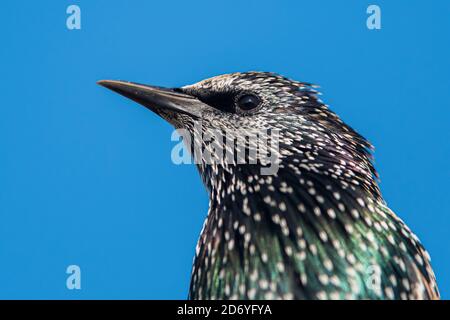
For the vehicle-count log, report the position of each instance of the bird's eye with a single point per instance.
(248, 102)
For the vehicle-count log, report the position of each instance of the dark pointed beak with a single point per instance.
(157, 99)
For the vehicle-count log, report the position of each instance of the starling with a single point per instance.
(317, 227)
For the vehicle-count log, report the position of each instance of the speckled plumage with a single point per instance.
(318, 228)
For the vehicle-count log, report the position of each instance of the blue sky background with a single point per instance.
(86, 176)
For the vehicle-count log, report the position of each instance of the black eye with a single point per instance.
(248, 102)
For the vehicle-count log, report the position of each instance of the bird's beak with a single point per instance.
(157, 99)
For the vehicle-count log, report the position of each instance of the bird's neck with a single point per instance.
(255, 222)
(317, 228)
(258, 224)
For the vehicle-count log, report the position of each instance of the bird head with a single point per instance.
(308, 134)
(224, 101)
(231, 101)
